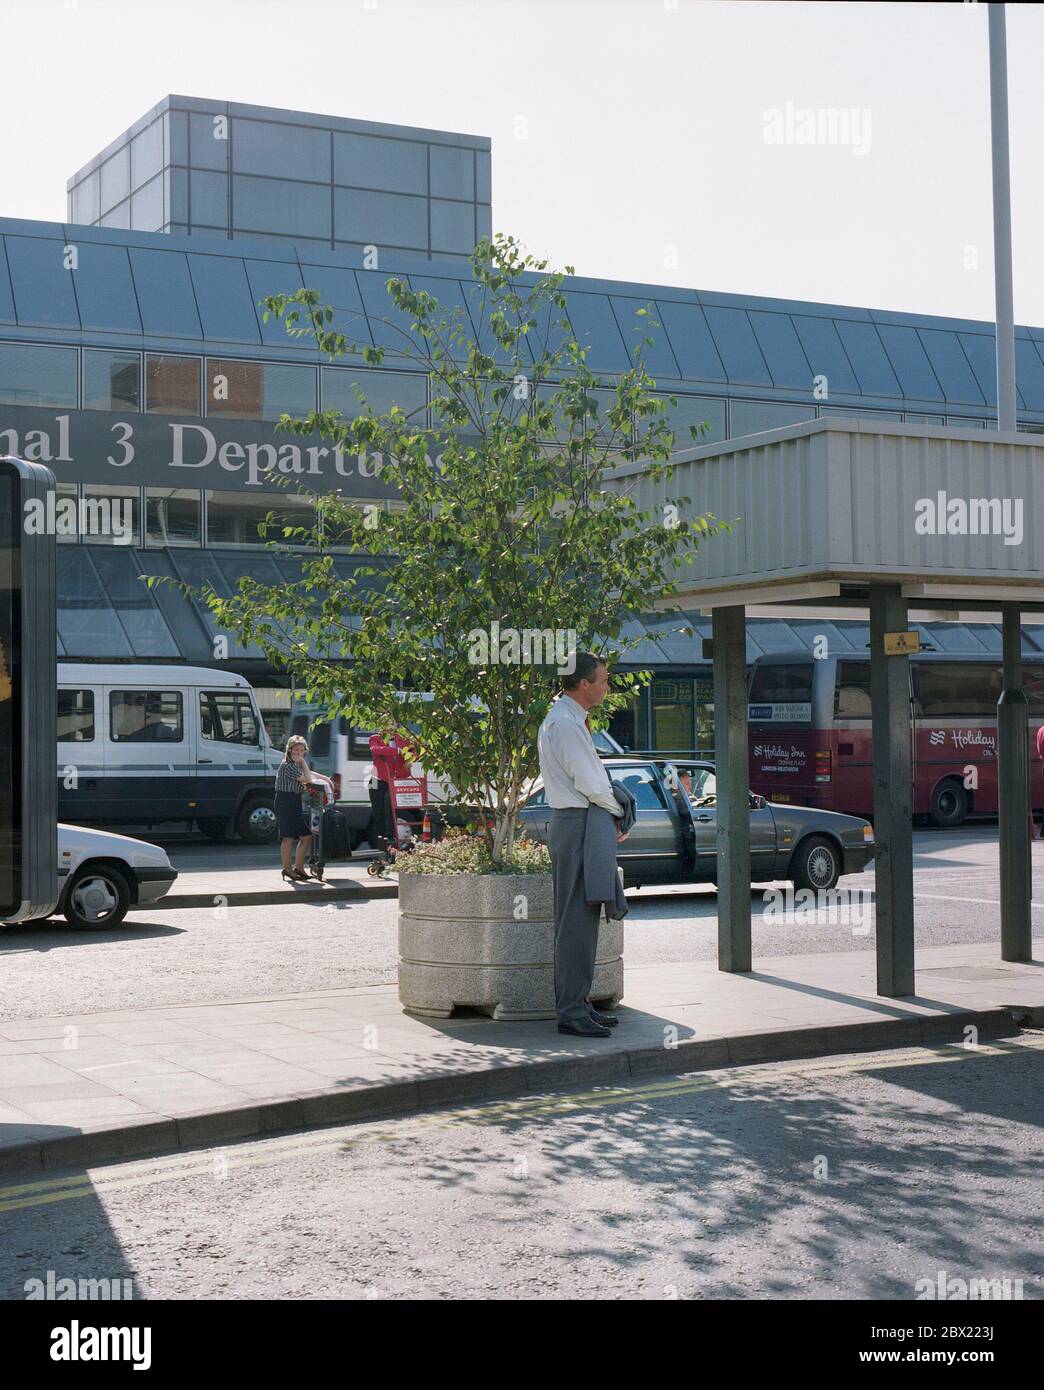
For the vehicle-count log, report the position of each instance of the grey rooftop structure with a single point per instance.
(198, 167)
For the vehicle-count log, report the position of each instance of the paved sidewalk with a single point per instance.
(235, 886)
(107, 1085)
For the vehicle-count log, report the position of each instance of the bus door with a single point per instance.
(229, 752)
(81, 754)
(785, 745)
(854, 744)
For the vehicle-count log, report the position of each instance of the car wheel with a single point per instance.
(816, 864)
(98, 897)
(256, 822)
(949, 804)
(214, 828)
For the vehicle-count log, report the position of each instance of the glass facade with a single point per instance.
(172, 385)
(34, 375)
(258, 390)
(265, 173)
(110, 515)
(750, 417)
(111, 380)
(381, 390)
(173, 516)
(234, 518)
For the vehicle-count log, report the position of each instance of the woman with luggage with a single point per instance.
(294, 774)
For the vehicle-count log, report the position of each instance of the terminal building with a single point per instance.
(114, 324)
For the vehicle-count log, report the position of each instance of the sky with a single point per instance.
(833, 152)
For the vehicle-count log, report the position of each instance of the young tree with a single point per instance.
(510, 542)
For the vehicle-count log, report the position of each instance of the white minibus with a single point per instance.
(141, 744)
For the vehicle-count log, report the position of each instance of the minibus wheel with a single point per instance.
(256, 822)
(816, 864)
(213, 827)
(949, 804)
(98, 897)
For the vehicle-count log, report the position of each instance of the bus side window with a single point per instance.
(948, 690)
(852, 695)
(75, 716)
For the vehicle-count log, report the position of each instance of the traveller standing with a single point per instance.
(575, 780)
(292, 774)
(388, 750)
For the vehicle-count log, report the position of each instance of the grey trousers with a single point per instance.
(576, 922)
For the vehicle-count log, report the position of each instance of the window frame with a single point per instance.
(115, 692)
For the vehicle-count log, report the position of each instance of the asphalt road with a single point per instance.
(226, 953)
(842, 1178)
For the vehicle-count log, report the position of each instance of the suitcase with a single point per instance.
(336, 843)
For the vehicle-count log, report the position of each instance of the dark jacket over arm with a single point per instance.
(603, 882)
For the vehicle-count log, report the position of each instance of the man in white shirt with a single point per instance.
(574, 779)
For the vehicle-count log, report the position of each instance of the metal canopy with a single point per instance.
(823, 509)
(840, 516)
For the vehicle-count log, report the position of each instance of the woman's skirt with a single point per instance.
(290, 816)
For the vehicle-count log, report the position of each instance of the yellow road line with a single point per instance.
(257, 1151)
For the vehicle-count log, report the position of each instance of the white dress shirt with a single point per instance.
(573, 773)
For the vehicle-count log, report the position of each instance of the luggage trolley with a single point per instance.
(408, 797)
(326, 823)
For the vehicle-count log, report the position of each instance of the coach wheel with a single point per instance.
(949, 804)
(98, 897)
(816, 864)
(256, 821)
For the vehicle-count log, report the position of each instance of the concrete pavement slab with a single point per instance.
(194, 1075)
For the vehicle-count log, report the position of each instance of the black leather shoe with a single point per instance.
(606, 1020)
(590, 1029)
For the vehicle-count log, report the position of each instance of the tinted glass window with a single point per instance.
(173, 385)
(359, 744)
(258, 390)
(235, 519)
(381, 390)
(111, 380)
(643, 784)
(75, 716)
(227, 716)
(782, 684)
(852, 695)
(695, 411)
(945, 690)
(31, 375)
(1033, 684)
(538, 799)
(750, 417)
(145, 716)
(110, 515)
(173, 516)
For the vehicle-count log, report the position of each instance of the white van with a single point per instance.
(141, 744)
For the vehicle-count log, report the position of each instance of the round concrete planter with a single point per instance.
(486, 941)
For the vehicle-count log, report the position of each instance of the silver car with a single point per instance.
(674, 838)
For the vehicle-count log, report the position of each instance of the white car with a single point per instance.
(101, 875)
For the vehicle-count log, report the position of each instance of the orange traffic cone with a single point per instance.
(426, 829)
